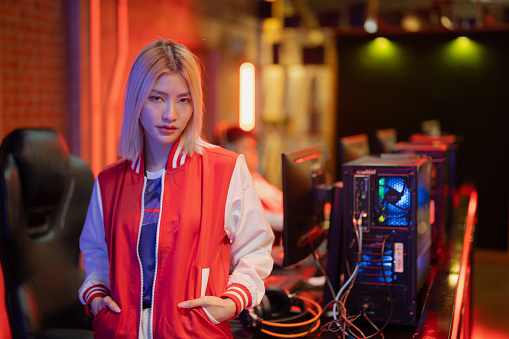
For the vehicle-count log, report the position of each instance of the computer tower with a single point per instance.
(389, 196)
(452, 143)
(439, 203)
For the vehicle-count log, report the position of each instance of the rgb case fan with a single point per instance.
(393, 207)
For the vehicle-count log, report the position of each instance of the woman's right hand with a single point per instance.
(99, 302)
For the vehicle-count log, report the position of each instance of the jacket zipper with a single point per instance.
(138, 249)
(156, 254)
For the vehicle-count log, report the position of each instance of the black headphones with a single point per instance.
(277, 307)
(274, 305)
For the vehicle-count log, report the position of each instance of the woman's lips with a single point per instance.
(167, 129)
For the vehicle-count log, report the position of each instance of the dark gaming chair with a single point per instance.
(44, 198)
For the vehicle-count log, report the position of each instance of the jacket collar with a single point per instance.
(176, 159)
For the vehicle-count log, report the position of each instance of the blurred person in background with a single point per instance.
(244, 142)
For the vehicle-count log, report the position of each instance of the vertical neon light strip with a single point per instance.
(114, 101)
(96, 124)
(464, 266)
(247, 96)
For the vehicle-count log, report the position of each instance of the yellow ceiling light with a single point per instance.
(247, 96)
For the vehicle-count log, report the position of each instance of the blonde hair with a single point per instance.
(155, 59)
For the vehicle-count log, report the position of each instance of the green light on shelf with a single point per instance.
(381, 52)
(463, 51)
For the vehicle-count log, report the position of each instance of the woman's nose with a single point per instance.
(170, 112)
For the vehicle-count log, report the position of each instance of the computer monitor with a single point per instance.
(385, 139)
(351, 148)
(304, 198)
(431, 127)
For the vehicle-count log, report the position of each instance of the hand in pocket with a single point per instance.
(220, 309)
(99, 302)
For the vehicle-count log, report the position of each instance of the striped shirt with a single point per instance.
(151, 208)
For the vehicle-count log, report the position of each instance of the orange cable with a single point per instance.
(296, 335)
(316, 317)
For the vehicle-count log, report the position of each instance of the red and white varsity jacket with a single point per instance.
(211, 220)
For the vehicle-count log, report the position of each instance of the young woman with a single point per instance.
(168, 221)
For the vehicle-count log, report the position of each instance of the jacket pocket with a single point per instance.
(211, 318)
(97, 318)
(105, 324)
(204, 282)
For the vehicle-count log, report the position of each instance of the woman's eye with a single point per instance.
(155, 98)
(185, 100)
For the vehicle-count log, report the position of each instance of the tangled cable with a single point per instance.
(315, 321)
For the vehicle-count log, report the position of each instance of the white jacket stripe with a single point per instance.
(243, 296)
(139, 164)
(176, 156)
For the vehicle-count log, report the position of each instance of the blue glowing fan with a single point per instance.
(370, 268)
(393, 207)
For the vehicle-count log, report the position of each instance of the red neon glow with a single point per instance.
(432, 212)
(458, 302)
(5, 330)
(96, 123)
(308, 157)
(327, 207)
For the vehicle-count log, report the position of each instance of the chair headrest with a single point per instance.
(42, 158)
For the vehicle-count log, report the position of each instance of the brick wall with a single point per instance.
(31, 65)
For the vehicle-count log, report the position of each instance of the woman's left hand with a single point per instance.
(220, 309)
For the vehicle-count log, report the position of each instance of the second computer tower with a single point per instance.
(440, 189)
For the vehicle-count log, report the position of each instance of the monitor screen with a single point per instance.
(353, 147)
(303, 182)
(385, 140)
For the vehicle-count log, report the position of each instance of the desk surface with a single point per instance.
(437, 316)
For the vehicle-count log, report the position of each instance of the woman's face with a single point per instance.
(166, 112)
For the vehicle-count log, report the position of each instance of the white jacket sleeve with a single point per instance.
(95, 254)
(251, 239)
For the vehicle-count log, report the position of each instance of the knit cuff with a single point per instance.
(91, 293)
(240, 296)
